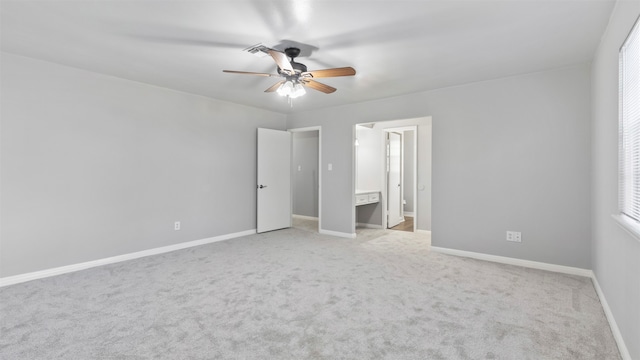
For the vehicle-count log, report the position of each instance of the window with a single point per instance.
(629, 142)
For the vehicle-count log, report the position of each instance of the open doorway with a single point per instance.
(394, 178)
(382, 187)
(305, 178)
(401, 202)
(399, 179)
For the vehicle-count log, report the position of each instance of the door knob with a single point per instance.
(262, 186)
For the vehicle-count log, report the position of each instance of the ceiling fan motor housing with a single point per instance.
(292, 53)
(297, 67)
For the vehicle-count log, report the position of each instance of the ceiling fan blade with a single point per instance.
(343, 71)
(275, 86)
(318, 86)
(248, 73)
(281, 60)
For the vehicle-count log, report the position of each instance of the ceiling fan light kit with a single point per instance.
(291, 89)
(296, 77)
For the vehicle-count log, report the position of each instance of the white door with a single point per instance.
(394, 179)
(274, 180)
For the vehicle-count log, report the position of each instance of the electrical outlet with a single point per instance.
(517, 236)
(514, 236)
(509, 235)
(176, 225)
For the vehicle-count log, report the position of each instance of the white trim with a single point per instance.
(392, 128)
(303, 129)
(354, 176)
(627, 225)
(16, 279)
(617, 335)
(304, 217)
(513, 261)
(338, 234)
(407, 213)
(368, 226)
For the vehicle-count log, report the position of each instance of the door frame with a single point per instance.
(401, 130)
(388, 172)
(306, 129)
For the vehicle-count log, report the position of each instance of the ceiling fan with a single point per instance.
(295, 76)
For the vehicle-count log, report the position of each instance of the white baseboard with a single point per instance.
(16, 279)
(624, 352)
(408, 213)
(513, 261)
(304, 217)
(368, 226)
(338, 234)
(622, 347)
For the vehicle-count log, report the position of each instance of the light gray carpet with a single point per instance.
(294, 294)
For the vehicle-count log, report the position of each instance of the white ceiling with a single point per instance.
(397, 47)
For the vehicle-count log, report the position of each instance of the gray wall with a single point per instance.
(370, 214)
(408, 185)
(508, 154)
(305, 173)
(615, 254)
(95, 166)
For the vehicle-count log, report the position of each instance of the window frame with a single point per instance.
(626, 164)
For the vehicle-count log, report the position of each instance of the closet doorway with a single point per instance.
(305, 178)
